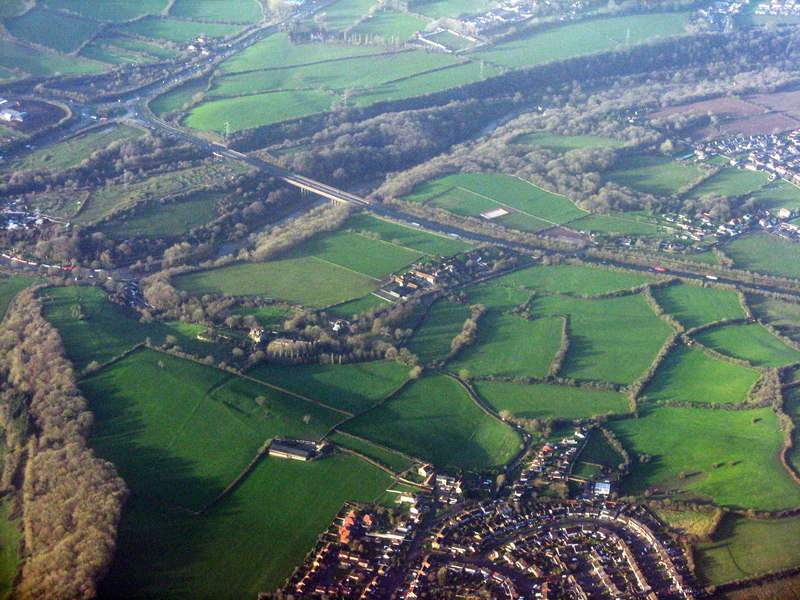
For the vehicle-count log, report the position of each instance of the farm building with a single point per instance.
(293, 450)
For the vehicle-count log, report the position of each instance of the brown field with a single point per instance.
(40, 115)
(727, 108)
(786, 102)
(761, 124)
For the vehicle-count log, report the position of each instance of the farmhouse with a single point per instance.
(292, 449)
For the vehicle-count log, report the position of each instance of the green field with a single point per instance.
(780, 313)
(102, 51)
(390, 24)
(543, 401)
(181, 432)
(616, 225)
(72, 151)
(344, 13)
(350, 387)
(435, 420)
(103, 330)
(389, 458)
(10, 286)
(154, 49)
(470, 194)
(531, 48)
(352, 308)
(10, 540)
(277, 51)
(613, 339)
(56, 30)
(750, 342)
(509, 346)
(573, 280)
(260, 109)
(302, 280)
(694, 306)
(227, 11)
(165, 220)
(44, 64)
(178, 31)
(791, 407)
(247, 544)
(436, 9)
(765, 253)
(178, 97)
(356, 72)
(690, 375)
(655, 175)
(727, 456)
(443, 322)
(565, 143)
(730, 183)
(403, 235)
(108, 10)
(744, 548)
(778, 194)
(424, 83)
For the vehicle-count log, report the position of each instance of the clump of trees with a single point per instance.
(70, 499)
(466, 337)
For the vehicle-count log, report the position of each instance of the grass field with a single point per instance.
(470, 194)
(260, 109)
(543, 401)
(390, 24)
(104, 52)
(744, 548)
(10, 539)
(71, 152)
(778, 194)
(178, 97)
(403, 235)
(356, 72)
(655, 175)
(565, 143)
(351, 308)
(765, 253)
(108, 10)
(574, 280)
(510, 346)
(443, 322)
(228, 11)
(434, 419)
(436, 9)
(10, 286)
(344, 13)
(750, 342)
(277, 51)
(178, 31)
(791, 407)
(56, 30)
(728, 456)
(690, 375)
(778, 312)
(44, 64)
(613, 339)
(531, 48)
(616, 225)
(389, 458)
(694, 306)
(165, 220)
(247, 544)
(730, 183)
(181, 432)
(351, 387)
(103, 329)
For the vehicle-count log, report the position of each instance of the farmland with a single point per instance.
(44, 64)
(531, 48)
(177, 31)
(689, 375)
(184, 431)
(545, 401)
(9, 551)
(166, 220)
(616, 225)
(573, 280)
(743, 548)
(390, 24)
(431, 340)
(727, 456)
(346, 310)
(436, 9)
(530, 207)
(403, 235)
(694, 306)
(389, 458)
(511, 346)
(613, 339)
(10, 286)
(230, 551)
(780, 313)
(434, 419)
(236, 11)
(652, 174)
(565, 143)
(108, 10)
(750, 342)
(56, 30)
(778, 194)
(764, 253)
(730, 183)
(353, 387)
